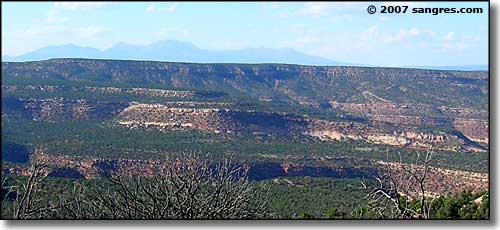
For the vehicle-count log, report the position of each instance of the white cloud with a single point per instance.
(371, 41)
(453, 46)
(283, 15)
(373, 29)
(81, 5)
(323, 8)
(54, 14)
(471, 38)
(405, 34)
(341, 18)
(449, 36)
(87, 32)
(56, 19)
(297, 28)
(338, 10)
(383, 18)
(315, 8)
(172, 8)
(153, 8)
(307, 40)
(369, 35)
(270, 5)
(452, 43)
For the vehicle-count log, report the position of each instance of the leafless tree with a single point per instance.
(190, 188)
(400, 184)
(27, 203)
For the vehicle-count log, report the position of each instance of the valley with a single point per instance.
(94, 118)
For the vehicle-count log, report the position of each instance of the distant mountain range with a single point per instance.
(178, 51)
(175, 51)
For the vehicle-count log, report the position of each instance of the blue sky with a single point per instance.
(341, 31)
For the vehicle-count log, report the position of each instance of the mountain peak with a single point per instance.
(175, 51)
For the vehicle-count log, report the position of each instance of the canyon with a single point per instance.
(285, 120)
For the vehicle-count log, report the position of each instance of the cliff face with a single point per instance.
(440, 181)
(172, 117)
(391, 106)
(209, 119)
(473, 123)
(407, 137)
(410, 110)
(475, 130)
(88, 167)
(161, 117)
(60, 109)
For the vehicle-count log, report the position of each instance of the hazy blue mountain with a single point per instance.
(176, 51)
(63, 51)
(282, 55)
(159, 51)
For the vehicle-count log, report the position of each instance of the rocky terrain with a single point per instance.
(303, 84)
(335, 111)
(440, 182)
(207, 116)
(59, 109)
(213, 120)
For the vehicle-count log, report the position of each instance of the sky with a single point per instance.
(340, 31)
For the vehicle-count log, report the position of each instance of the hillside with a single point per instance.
(301, 84)
(328, 121)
